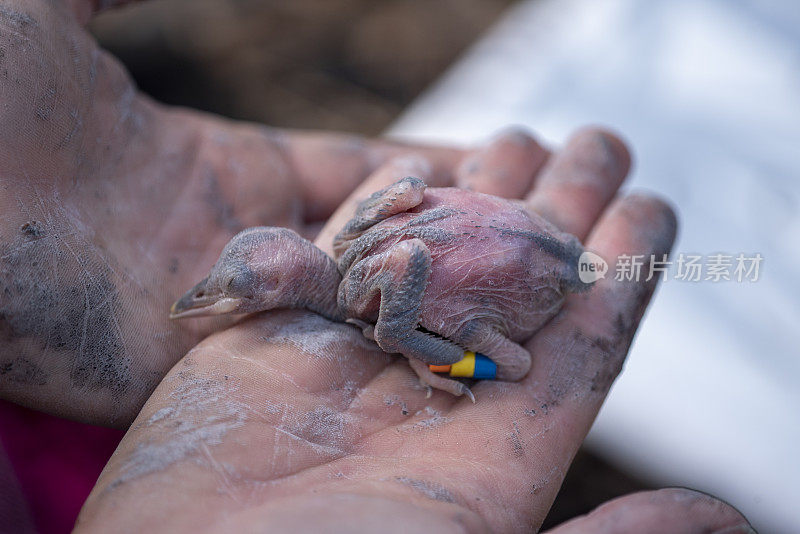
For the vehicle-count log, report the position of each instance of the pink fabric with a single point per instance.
(55, 462)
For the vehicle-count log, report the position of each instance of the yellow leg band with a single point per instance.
(465, 367)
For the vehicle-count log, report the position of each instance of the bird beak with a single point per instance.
(199, 302)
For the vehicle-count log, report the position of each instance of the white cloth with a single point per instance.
(708, 94)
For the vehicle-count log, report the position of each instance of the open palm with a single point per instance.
(288, 421)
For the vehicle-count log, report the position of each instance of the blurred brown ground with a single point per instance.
(332, 64)
(325, 64)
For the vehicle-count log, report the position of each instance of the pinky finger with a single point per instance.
(580, 352)
(597, 327)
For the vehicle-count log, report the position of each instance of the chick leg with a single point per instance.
(430, 380)
(399, 277)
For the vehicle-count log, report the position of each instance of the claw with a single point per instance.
(430, 381)
(468, 393)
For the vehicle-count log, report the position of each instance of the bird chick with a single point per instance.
(425, 272)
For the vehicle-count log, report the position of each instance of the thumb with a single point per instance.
(670, 510)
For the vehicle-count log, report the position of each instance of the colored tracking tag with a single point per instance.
(472, 365)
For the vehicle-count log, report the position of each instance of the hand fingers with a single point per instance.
(506, 167)
(394, 170)
(330, 166)
(665, 511)
(578, 182)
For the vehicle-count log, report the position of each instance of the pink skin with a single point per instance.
(481, 272)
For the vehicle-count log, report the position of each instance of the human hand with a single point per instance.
(113, 204)
(287, 421)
